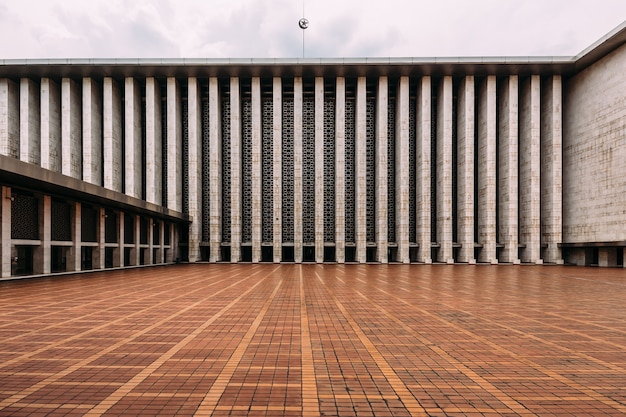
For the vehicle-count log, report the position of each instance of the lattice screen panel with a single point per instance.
(287, 170)
(226, 167)
(206, 207)
(246, 179)
(370, 175)
(391, 169)
(350, 170)
(329, 170)
(267, 174)
(61, 221)
(308, 170)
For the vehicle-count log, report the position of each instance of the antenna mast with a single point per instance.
(303, 23)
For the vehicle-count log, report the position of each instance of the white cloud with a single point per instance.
(268, 28)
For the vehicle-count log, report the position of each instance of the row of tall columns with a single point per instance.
(65, 127)
(42, 247)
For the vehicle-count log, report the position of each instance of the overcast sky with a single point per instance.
(269, 28)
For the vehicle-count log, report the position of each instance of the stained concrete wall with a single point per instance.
(594, 152)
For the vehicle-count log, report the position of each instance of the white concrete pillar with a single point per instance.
(552, 169)
(5, 231)
(194, 166)
(402, 170)
(235, 171)
(161, 228)
(113, 155)
(508, 169)
(319, 169)
(529, 170)
(99, 252)
(71, 130)
(277, 185)
(215, 171)
(360, 170)
(465, 170)
(9, 118)
(43, 253)
(257, 187)
(487, 170)
(50, 125)
(30, 133)
(154, 143)
(150, 259)
(132, 141)
(423, 150)
(92, 131)
(297, 169)
(381, 138)
(118, 259)
(136, 253)
(444, 171)
(340, 170)
(174, 146)
(74, 256)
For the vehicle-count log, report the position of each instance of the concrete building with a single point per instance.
(113, 163)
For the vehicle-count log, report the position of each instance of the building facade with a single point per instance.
(114, 163)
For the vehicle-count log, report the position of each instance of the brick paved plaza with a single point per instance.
(339, 340)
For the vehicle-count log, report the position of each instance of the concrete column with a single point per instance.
(360, 147)
(71, 130)
(257, 188)
(9, 118)
(172, 253)
(382, 95)
(319, 169)
(118, 259)
(215, 171)
(74, 255)
(487, 170)
(50, 125)
(112, 131)
(30, 133)
(340, 170)
(99, 252)
(402, 170)
(161, 226)
(136, 253)
(297, 169)
(423, 148)
(92, 131)
(194, 166)
(43, 254)
(444, 171)
(277, 132)
(174, 146)
(465, 170)
(552, 169)
(132, 143)
(150, 259)
(154, 142)
(5, 231)
(529, 169)
(508, 169)
(236, 170)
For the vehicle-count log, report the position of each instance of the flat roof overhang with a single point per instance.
(30, 177)
(315, 67)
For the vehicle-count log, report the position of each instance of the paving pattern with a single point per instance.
(311, 340)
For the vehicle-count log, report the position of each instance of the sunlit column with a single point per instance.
(423, 147)
(154, 142)
(71, 129)
(381, 192)
(236, 170)
(194, 164)
(552, 169)
(92, 131)
(487, 170)
(529, 169)
(215, 171)
(174, 146)
(465, 169)
(50, 125)
(9, 118)
(30, 134)
(508, 169)
(112, 131)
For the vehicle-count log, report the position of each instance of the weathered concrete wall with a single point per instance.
(594, 152)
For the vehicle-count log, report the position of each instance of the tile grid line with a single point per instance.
(211, 399)
(310, 401)
(404, 393)
(552, 374)
(52, 378)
